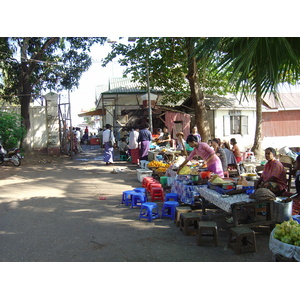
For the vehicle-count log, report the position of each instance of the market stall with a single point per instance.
(187, 191)
(235, 202)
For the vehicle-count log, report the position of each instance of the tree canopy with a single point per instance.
(31, 65)
(168, 66)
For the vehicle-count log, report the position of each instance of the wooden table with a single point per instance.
(232, 203)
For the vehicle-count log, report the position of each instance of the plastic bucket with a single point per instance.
(205, 175)
(195, 177)
(283, 211)
(164, 180)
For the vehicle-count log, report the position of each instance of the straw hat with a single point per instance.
(180, 133)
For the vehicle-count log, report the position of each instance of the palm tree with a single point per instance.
(257, 65)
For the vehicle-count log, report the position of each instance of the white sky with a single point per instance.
(93, 82)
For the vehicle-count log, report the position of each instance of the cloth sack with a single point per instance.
(263, 194)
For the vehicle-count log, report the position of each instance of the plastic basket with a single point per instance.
(141, 173)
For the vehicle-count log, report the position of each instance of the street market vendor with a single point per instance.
(273, 176)
(166, 138)
(209, 156)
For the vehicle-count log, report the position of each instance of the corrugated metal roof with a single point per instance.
(286, 101)
(126, 85)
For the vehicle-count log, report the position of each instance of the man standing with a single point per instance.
(145, 137)
(108, 141)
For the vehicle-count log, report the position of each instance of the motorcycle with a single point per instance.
(11, 155)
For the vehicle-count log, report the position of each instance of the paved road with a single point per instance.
(50, 211)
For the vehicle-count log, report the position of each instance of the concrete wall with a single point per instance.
(43, 134)
(243, 141)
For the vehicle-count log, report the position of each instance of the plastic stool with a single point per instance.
(137, 200)
(149, 211)
(187, 220)
(163, 180)
(157, 194)
(127, 197)
(173, 196)
(239, 237)
(153, 185)
(203, 227)
(123, 157)
(169, 208)
(149, 182)
(180, 210)
(144, 164)
(141, 190)
(145, 180)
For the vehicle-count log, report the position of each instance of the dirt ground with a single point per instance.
(50, 211)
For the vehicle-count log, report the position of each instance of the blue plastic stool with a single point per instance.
(173, 196)
(142, 190)
(169, 209)
(127, 197)
(149, 211)
(137, 199)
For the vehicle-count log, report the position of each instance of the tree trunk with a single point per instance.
(197, 94)
(258, 130)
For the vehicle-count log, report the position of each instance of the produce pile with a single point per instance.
(158, 164)
(288, 232)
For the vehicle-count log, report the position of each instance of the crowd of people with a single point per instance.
(217, 155)
(136, 144)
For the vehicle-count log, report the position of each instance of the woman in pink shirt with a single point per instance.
(209, 156)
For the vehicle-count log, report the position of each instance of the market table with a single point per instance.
(186, 192)
(232, 203)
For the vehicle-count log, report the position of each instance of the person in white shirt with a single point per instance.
(134, 145)
(109, 142)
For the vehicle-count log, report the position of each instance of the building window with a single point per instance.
(235, 124)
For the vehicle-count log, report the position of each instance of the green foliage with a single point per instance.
(255, 63)
(167, 58)
(46, 63)
(11, 129)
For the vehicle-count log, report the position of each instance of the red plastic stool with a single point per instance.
(146, 180)
(153, 185)
(157, 194)
(149, 183)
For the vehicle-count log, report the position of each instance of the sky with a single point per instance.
(93, 82)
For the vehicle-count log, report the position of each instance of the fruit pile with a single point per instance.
(158, 164)
(161, 169)
(288, 232)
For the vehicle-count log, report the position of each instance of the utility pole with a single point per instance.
(149, 100)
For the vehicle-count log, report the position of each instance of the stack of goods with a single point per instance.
(159, 167)
(220, 185)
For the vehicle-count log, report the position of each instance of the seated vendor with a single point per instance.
(273, 176)
(165, 139)
(180, 142)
